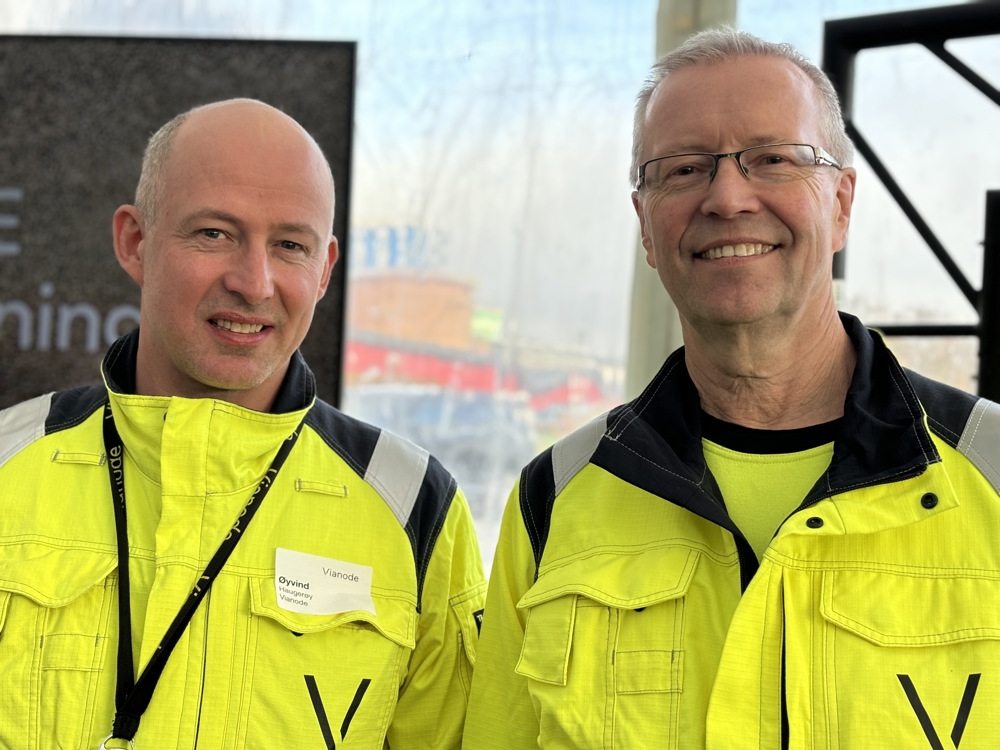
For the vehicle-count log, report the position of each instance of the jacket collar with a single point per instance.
(883, 436)
(297, 391)
(201, 446)
(654, 442)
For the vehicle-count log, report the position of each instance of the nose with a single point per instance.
(250, 274)
(730, 192)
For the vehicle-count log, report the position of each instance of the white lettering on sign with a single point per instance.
(9, 220)
(50, 327)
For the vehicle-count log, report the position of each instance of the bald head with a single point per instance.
(230, 124)
(232, 245)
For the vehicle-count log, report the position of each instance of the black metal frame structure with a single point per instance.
(843, 39)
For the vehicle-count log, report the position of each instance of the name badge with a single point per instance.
(314, 585)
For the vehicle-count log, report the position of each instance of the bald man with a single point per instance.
(201, 553)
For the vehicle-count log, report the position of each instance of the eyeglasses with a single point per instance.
(774, 163)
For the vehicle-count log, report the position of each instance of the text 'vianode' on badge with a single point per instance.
(314, 585)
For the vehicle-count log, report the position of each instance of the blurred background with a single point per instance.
(493, 250)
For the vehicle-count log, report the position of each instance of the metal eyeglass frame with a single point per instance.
(821, 157)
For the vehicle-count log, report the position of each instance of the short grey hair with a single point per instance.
(149, 191)
(721, 45)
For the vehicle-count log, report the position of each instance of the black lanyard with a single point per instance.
(132, 695)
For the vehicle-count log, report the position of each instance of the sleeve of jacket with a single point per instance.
(500, 709)
(430, 712)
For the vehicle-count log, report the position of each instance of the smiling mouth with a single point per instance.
(235, 327)
(740, 250)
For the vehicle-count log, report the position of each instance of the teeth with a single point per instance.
(741, 250)
(231, 325)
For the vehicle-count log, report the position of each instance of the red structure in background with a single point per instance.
(402, 362)
(409, 327)
(370, 362)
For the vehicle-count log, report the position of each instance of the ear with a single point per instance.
(129, 241)
(643, 229)
(842, 207)
(332, 253)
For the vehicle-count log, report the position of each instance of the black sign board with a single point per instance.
(76, 114)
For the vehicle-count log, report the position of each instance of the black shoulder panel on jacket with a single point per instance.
(548, 474)
(70, 408)
(968, 423)
(536, 495)
(352, 439)
(947, 408)
(414, 485)
(427, 517)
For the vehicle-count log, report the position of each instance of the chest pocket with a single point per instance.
(928, 646)
(321, 677)
(55, 609)
(603, 648)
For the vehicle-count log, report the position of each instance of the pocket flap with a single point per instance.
(624, 580)
(611, 579)
(395, 616)
(53, 576)
(895, 609)
(548, 636)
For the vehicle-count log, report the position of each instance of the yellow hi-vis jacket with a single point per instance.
(627, 611)
(248, 672)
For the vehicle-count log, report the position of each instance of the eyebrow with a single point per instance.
(749, 143)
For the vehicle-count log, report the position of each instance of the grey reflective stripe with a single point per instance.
(396, 471)
(22, 424)
(980, 441)
(573, 452)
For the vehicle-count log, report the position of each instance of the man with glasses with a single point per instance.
(787, 540)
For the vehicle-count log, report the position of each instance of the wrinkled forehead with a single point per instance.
(723, 106)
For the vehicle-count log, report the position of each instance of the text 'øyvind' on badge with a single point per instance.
(314, 585)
